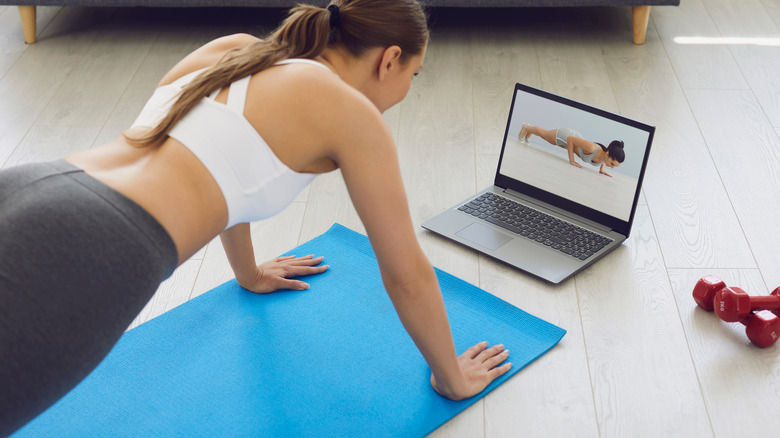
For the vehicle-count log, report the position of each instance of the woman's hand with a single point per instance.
(575, 164)
(605, 173)
(480, 366)
(279, 273)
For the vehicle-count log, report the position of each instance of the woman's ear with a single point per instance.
(390, 60)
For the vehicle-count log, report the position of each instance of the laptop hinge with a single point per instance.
(556, 210)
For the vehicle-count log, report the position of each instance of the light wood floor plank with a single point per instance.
(447, 140)
(502, 57)
(739, 380)
(746, 150)
(486, 169)
(760, 66)
(773, 8)
(446, 74)
(644, 382)
(110, 65)
(575, 68)
(12, 44)
(697, 66)
(690, 207)
(29, 85)
(51, 143)
(745, 18)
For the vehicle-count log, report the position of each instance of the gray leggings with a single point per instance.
(78, 261)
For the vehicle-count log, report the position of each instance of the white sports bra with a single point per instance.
(254, 182)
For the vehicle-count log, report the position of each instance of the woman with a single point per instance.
(218, 145)
(594, 153)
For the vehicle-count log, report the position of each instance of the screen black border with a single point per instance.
(506, 182)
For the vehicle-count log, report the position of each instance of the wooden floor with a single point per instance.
(639, 358)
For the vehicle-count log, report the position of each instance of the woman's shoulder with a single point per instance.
(316, 91)
(223, 44)
(587, 146)
(308, 95)
(208, 55)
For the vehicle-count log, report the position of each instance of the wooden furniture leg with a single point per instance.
(641, 17)
(28, 23)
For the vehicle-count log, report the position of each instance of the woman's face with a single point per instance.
(398, 85)
(611, 162)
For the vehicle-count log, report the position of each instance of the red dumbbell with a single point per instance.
(734, 304)
(705, 290)
(763, 328)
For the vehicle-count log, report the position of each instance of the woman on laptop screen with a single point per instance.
(590, 152)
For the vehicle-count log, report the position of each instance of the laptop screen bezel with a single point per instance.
(619, 225)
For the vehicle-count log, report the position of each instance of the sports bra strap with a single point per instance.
(186, 79)
(237, 95)
(238, 89)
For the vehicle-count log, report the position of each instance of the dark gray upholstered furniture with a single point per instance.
(641, 8)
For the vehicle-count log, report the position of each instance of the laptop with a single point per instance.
(543, 214)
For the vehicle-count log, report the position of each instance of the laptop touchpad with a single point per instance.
(482, 235)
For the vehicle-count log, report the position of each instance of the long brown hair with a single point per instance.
(357, 26)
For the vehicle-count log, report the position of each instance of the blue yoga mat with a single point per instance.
(333, 360)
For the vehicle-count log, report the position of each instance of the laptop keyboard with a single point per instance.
(535, 225)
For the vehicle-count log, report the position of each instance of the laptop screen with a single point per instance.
(573, 156)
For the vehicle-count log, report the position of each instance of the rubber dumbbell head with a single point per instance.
(705, 290)
(733, 304)
(762, 328)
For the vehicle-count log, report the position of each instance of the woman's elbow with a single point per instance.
(411, 283)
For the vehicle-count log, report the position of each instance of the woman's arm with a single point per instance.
(270, 276)
(570, 146)
(369, 164)
(572, 143)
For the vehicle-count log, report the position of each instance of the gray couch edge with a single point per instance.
(640, 8)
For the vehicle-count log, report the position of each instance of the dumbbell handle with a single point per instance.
(764, 303)
(733, 304)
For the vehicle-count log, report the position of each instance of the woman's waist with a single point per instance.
(168, 181)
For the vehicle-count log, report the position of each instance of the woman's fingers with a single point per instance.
(281, 284)
(497, 372)
(306, 261)
(475, 350)
(293, 285)
(302, 266)
(300, 271)
(496, 360)
(491, 352)
(280, 273)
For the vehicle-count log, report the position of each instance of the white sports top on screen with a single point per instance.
(254, 182)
